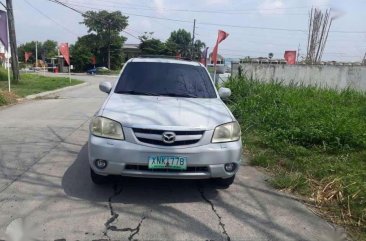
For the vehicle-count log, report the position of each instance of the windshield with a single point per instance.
(165, 79)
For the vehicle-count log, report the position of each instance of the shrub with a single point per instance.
(312, 140)
(3, 74)
(304, 116)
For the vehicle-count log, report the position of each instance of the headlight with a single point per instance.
(107, 128)
(226, 133)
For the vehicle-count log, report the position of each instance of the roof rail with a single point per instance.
(165, 57)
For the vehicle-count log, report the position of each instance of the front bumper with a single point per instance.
(203, 161)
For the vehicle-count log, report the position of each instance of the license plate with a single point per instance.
(168, 162)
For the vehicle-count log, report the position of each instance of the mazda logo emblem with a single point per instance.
(168, 137)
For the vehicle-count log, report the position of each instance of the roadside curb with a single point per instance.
(30, 97)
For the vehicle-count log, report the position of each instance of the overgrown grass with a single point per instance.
(7, 98)
(3, 74)
(30, 84)
(312, 140)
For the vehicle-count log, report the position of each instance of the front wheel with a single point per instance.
(225, 183)
(98, 179)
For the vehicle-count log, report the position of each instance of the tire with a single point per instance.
(225, 183)
(98, 179)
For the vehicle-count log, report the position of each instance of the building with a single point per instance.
(131, 51)
(262, 60)
(220, 59)
(2, 55)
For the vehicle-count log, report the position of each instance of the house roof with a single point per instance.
(131, 46)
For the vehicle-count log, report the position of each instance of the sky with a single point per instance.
(256, 27)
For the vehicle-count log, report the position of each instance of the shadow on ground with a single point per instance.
(249, 209)
(76, 183)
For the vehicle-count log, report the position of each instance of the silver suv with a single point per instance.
(164, 118)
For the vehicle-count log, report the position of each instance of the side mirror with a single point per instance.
(224, 93)
(105, 87)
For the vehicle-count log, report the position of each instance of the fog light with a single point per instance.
(230, 167)
(101, 164)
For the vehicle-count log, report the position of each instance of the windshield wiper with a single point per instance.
(134, 92)
(179, 95)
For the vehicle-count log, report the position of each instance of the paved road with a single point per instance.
(45, 187)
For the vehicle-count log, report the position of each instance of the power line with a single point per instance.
(3, 5)
(220, 24)
(83, 14)
(205, 23)
(212, 24)
(180, 20)
(46, 16)
(131, 34)
(67, 6)
(244, 11)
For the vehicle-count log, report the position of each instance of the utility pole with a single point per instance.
(109, 45)
(364, 59)
(193, 37)
(298, 54)
(36, 53)
(13, 41)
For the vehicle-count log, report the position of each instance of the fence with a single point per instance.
(335, 77)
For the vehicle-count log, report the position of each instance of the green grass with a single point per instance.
(34, 84)
(30, 84)
(312, 140)
(3, 74)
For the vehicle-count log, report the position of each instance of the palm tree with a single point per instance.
(198, 47)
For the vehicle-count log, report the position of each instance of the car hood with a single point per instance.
(152, 111)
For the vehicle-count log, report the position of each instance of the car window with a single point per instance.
(165, 79)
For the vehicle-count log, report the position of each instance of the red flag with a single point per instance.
(64, 49)
(27, 55)
(221, 37)
(290, 57)
(93, 60)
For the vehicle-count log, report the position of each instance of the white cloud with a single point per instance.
(211, 2)
(269, 7)
(144, 24)
(159, 5)
(319, 3)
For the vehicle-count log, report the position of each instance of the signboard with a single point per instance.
(290, 57)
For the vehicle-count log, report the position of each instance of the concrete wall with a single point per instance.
(336, 77)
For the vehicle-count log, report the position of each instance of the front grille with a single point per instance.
(161, 143)
(146, 168)
(160, 132)
(154, 137)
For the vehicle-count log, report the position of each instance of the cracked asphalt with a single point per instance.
(45, 188)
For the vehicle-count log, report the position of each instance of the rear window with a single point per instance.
(165, 79)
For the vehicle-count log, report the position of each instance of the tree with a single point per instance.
(27, 47)
(179, 42)
(198, 46)
(46, 50)
(91, 45)
(83, 50)
(107, 26)
(151, 46)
